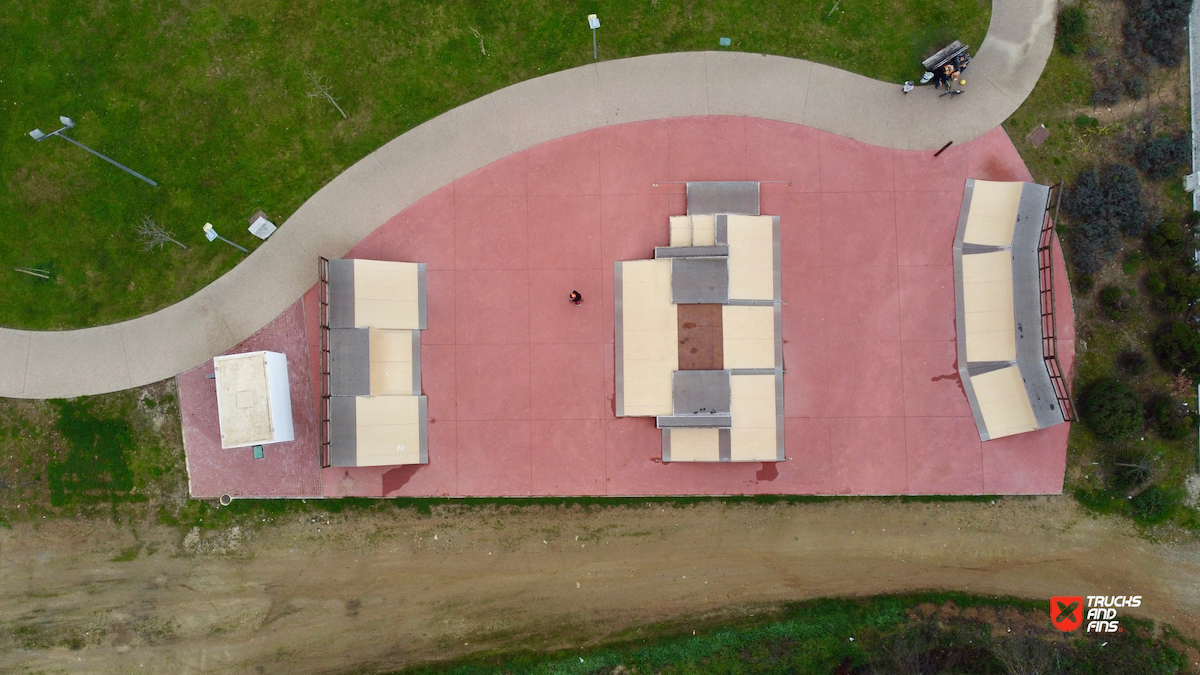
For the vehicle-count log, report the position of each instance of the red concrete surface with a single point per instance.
(520, 382)
(287, 469)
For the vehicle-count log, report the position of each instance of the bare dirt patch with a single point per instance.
(324, 593)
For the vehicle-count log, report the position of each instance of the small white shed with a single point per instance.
(254, 402)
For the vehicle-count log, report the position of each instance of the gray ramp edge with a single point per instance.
(960, 320)
(718, 251)
(779, 412)
(349, 362)
(619, 347)
(343, 435)
(422, 310)
(423, 415)
(730, 197)
(666, 445)
(720, 421)
(1027, 305)
(341, 293)
(416, 361)
(724, 446)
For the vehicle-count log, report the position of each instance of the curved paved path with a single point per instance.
(49, 364)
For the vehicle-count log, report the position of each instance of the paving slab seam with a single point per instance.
(347, 209)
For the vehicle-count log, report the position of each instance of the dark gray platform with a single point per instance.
(699, 280)
(712, 197)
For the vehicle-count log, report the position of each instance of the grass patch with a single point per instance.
(943, 632)
(210, 101)
(93, 455)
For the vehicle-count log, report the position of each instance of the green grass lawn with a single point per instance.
(209, 100)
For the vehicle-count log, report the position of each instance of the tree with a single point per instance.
(1158, 28)
(154, 236)
(322, 90)
(1112, 410)
(1177, 347)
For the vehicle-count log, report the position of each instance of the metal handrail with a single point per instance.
(1045, 253)
(323, 322)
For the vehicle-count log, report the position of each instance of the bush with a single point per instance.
(1084, 283)
(1123, 198)
(1112, 410)
(1107, 86)
(1072, 30)
(1155, 283)
(1171, 417)
(1177, 347)
(1166, 240)
(1153, 505)
(1114, 303)
(1131, 362)
(1135, 87)
(1105, 204)
(1162, 156)
(1157, 27)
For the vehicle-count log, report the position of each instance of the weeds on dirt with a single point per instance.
(916, 633)
(1128, 232)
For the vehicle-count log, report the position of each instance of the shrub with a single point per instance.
(1171, 417)
(1166, 240)
(1114, 303)
(1153, 505)
(1084, 201)
(1072, 30)
(1112, 410)
(1132, 362)
(1157, 27)
(1084, 283)
(1092, 243)
(1135, 86)
(1177, 347)
(1155, 283)
(1123, 198)
(1162, 156)
(1107, 86)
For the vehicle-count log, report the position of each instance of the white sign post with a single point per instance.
(594, 23)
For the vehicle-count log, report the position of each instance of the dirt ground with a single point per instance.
(332, 593)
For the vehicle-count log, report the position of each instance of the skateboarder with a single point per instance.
(576, 298)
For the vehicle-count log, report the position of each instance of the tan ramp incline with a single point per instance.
(649, 338)
(749, 336)
(692, 445)
(751, 258)
(388, 430)
(1004, 402)
(386, 295)
(988, 306)
(391, 362)
(752, 405)
(993, 215)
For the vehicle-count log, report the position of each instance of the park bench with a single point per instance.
(945, 55)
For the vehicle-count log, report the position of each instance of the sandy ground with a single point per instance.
(328, 594)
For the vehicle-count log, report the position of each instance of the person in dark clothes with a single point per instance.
(576, 298)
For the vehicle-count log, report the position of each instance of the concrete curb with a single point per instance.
(59, 364)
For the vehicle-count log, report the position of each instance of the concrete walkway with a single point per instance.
(52, 364)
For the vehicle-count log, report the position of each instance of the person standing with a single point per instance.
(576, 298)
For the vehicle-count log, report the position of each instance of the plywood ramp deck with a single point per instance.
(752, 406)
(751, 257)
(388, 430)
(387, 294)
(988, 306)
(993, 214)
(649, 337)
(1003, 402)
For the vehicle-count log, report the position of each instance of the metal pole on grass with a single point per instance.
(211, 234)
(39, 136)
(594, 23)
